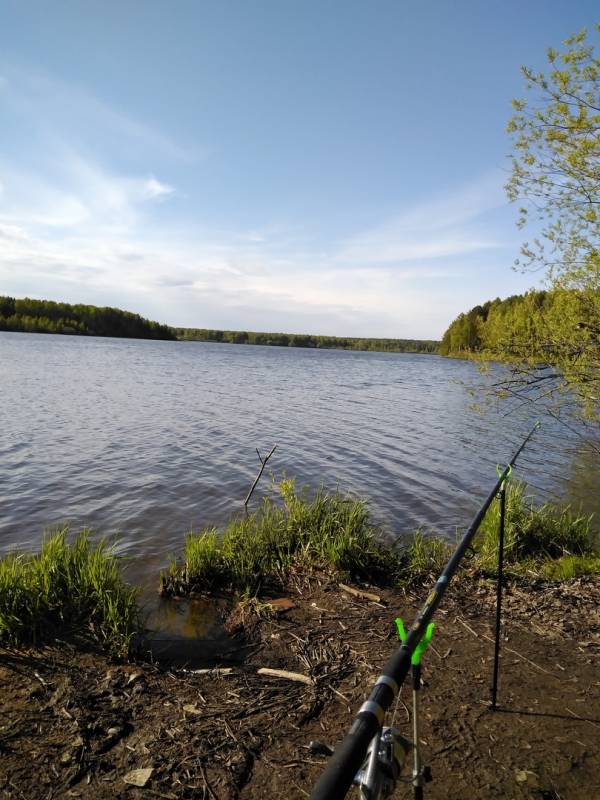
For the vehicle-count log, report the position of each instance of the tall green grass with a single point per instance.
(329, 531)
(537, 538)
(70, 584)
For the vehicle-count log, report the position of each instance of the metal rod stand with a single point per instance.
(499, 595)
(417, 775)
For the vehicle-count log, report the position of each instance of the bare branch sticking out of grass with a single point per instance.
(329, 532)
(69, 584)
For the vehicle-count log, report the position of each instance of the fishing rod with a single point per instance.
(366, 729)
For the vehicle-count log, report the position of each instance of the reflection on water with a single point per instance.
(190, 632)
(582, 485)
(152, 439)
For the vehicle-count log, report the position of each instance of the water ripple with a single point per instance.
(152, 439)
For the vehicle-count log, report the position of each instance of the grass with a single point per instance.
(334, 533)
(71, 584)
(552, 541)
(329, 531)
(75, 585)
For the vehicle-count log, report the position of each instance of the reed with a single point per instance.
(72, 584)
(547, 539)
(329, 532)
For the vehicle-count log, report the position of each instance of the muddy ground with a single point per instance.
(74, 724)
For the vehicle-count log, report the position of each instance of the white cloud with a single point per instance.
(81, 195)
(155, 189)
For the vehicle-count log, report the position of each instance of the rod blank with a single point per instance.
(349, 755)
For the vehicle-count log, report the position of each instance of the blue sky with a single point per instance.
(322, 167)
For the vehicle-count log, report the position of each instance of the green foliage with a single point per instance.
(569, 567)
(556, 178)
(46, 316)
(423, 558)
(556, 163)
(535, 537)
(258, 549)
(306, 340)
(549, 339)
(68, 584)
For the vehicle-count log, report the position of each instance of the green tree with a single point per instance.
(555, 177)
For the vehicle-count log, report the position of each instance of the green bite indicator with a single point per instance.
(415, 659)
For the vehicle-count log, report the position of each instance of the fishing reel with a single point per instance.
(383, 764)
(379, 774)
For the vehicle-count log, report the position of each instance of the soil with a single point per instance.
(74, 724)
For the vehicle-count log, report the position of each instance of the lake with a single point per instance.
(150, 439)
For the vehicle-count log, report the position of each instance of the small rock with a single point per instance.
(281, 604)
(113, 731)
(138, 777)
(191, 709)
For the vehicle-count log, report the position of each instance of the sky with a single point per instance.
(314, 166)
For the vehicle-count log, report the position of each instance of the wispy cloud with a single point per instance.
(109, 243)
(154, 189)
(441, 227)
(48, 103)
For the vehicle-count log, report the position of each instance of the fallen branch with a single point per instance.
(283, 673)
(358, 593)
(263, 463)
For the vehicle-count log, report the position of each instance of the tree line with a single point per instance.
(307, 340)
(46, 316)
(531, 325)
(551, 339)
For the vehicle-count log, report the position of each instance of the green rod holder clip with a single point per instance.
(415, 659)
(500, 470)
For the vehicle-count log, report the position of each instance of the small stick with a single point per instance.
(468, 627)
(283, 673)
(358, 593)
(524, 658)
(206, 783)
(263, 463)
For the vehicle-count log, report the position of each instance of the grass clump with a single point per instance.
(551, 540)
(423, 557)
(329, 531)
(70, 584)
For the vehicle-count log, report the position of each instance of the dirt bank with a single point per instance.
(74, 724)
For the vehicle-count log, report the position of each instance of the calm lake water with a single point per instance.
(150, 439)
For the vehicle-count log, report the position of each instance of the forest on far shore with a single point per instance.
(308, 340)
(46, 316)
(532, 325)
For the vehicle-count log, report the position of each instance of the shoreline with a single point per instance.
(310, 625)
(91, 723)
(406, 350)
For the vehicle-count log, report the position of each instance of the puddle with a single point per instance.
(190, 633)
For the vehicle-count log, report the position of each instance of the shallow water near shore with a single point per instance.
(149, 439)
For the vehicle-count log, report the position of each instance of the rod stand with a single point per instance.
(502, 498)
(421, 774)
